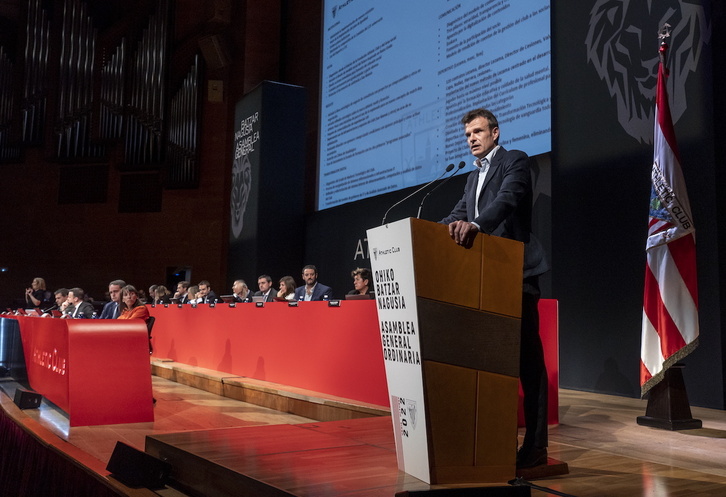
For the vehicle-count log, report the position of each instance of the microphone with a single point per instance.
(461, 164)
(51, 308)
(448, 169)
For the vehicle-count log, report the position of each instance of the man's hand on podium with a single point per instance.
(463, 233)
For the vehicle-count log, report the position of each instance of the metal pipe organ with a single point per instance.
(9, 152)
(146, 102)
(75, 91)
(35, 84)
(182, 145)
(111, 120)
(65, 93)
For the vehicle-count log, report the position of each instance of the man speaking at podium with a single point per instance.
(497, 200)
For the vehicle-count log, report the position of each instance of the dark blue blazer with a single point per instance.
(318, 292)
(110, 311)
(505, 205)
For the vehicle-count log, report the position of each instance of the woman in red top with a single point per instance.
(131, 306)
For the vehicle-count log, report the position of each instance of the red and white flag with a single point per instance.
(670, 303)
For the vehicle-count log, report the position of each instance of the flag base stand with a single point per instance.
(668, 406)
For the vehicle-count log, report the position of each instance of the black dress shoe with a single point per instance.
(529, 458)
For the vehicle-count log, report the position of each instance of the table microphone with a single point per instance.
(461, 164)
(448, 169)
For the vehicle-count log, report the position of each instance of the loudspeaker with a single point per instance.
(511, 491)
(25, 399)
(134, 468)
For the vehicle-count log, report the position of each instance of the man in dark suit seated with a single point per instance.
(264, 282)
(312, 290)
(111, 310)
(182, 289)
(497, 200)
(207, 294)
(61, 300)
(78, 307)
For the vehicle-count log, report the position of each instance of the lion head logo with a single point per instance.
(622, 45)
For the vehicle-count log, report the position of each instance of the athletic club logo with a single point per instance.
(622, 45)
(412, 412)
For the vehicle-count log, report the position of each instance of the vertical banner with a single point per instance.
(391, 250)
(245, 180)
(267, 183)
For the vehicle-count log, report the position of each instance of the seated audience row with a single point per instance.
(126, 299)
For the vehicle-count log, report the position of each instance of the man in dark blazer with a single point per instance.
(182, 292)
(208, 296)
(264, 283)
(497, 200)
(111, 309)
(312, 290)
(78, 308)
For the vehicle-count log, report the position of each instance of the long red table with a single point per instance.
(332, 350)
(96, 370)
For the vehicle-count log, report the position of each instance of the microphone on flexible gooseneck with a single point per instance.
(461, 164)
(448, 169)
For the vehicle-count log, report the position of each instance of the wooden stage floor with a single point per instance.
(273, 453)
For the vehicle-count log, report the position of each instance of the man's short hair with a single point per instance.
(184, 284)
(486, 114)
(241, 282)
(310, 266)
(265, 277)
(205, 283)
(77, 292)
(62, 291)
(120, 283)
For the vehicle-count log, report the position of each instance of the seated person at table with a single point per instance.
(131, 305)
(287, 288)
(162, 295)
(206, 293)
(152, 295)
(240, 292)
(78, 307)
(113, 308)
(312, 290)
(61, 300)
(192, 293)
(362, 279)
(264, 283)
(182, 292)
(37, 295)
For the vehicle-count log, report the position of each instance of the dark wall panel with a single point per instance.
(605, 58)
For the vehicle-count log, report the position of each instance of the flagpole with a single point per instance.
(670, 308)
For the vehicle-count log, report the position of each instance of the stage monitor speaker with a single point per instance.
(509, 491)
(25, 399)
(136, 469)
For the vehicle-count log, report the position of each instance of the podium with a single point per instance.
(449, 319)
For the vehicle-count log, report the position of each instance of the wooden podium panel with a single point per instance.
(469, 338)
(501, 275)
(472, 433)
(480, 277)
(437, 278)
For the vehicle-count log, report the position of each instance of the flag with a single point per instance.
(670, 301)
